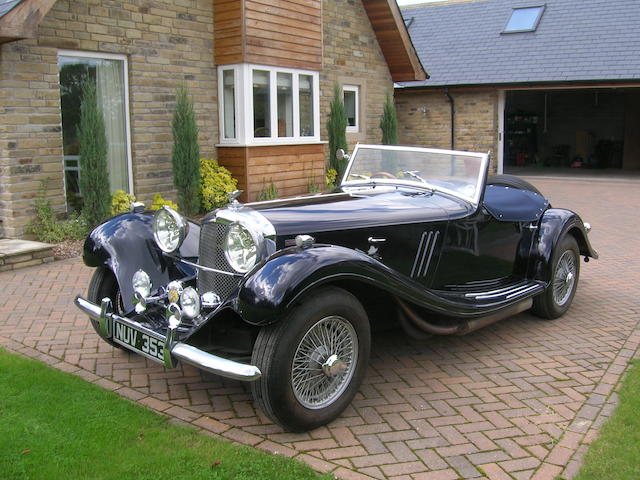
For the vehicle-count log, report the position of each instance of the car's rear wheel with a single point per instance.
(505, 180)
(104, 284)
(557, 297)
(313, 362)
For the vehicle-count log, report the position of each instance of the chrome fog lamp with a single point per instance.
(141, 283)
(190, 302)
(240, 248)
(169, 229)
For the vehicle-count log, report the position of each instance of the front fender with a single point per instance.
(267, 293)
(554, 224)
(125, 244)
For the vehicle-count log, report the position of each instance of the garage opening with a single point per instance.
(572, 131)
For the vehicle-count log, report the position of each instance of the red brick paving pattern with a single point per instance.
(519, 399)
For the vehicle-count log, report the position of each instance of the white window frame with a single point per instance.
(127, 118)
(356, 89)
(243, 84)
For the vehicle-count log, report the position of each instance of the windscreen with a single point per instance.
(455, 172)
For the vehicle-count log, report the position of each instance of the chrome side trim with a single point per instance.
(424, 253)
(182, 351)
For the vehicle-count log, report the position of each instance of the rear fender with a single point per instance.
(125, 244)
(554, 225)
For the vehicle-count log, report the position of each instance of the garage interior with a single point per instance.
(572, 130)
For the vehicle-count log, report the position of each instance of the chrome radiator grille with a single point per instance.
(211, 255)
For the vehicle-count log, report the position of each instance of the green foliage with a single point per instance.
(58, 426)
(186, 153)
(215, 182)
(268, 192)
(47, 228)
(312, 185)
(614, 454)
(330, 178)
(159, 202)
(389, 122)
(337, 130)
(94, 177)
(121, 202)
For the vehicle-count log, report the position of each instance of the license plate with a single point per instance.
(138, 341)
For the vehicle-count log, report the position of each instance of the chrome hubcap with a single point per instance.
(564, 278)
(324, 362)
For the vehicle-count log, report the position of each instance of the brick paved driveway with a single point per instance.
(519, 399)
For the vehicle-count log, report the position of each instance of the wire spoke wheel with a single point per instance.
(324, 362)
(564, 278)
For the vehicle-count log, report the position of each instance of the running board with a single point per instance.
(493, 293)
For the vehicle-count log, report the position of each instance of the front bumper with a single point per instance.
(172, 349)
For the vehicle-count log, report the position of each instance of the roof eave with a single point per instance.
(394, 40)
(22, 20)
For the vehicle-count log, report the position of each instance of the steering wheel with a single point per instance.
(383, 175)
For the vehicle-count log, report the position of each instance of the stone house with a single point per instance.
(261, 73)
(539, 84)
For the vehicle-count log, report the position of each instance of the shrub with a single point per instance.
(121, 202)
(186, 153)
(215, 182)
(268, 192)
(159, 202)
(94, 177)
(330, 178)
(337, 129)
(47, 228)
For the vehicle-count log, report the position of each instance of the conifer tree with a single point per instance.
(186, 153)
(337, 128)
(389, 122)
(94, 174)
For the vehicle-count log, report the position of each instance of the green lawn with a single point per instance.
(615, 455)
(54, 425)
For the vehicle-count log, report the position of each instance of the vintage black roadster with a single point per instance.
(284, 293)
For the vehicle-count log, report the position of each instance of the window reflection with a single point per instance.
(261, 104)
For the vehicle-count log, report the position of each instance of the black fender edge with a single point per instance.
(266, 294)
(553, 226)
(125, 244)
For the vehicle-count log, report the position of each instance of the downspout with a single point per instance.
(453, 117)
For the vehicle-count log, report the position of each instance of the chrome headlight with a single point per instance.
(169, 229)
(190, 302)
(141, 283)
(240, 249)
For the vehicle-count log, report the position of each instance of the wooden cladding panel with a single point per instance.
(290, 167)
(285, 33)
(235, 160)
(228, 30)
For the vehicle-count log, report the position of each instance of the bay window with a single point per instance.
(262, 105)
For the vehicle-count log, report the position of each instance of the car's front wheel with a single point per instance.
(104, 284)
(313, 362)
(557, 297)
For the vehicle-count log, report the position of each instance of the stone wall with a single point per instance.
(352, 56)
(424, 120)
(166, 43)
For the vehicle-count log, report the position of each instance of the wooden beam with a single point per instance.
(22, 21)
(394, 40)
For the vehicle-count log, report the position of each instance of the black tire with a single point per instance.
(104, 284)
(557, 297)
(513, 182)
(290, 401)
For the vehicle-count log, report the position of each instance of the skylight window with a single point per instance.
(524, 19)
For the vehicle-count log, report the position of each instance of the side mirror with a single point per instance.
(341, 155)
